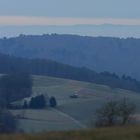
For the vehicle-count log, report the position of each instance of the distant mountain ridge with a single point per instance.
(85, 29)
(117, 55)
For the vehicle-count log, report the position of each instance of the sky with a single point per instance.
(45, 13)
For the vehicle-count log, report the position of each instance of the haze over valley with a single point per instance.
(69, 69)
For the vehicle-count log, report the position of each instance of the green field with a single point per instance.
(70, 113)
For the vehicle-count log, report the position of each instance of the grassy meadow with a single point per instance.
(63, 88)
(70, 114)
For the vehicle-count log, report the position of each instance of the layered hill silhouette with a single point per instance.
(117, 55)
(12, 65)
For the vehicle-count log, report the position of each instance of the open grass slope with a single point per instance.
(70, 114)
(46, 120)
(124, 133)
(91, 96)
(63, 88)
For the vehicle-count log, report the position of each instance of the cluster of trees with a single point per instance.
(123, 82)
(9, 64)
(14, 87)
(37, 102)
(40, 102)
(114, 113)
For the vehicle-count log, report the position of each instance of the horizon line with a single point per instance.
(64, 21)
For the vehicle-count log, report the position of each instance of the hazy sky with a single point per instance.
(69, 12)
(72, 8)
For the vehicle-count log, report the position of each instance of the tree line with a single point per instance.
(11, 64)
(14, 87)
(40, 102)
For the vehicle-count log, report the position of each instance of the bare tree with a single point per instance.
(126, 110)
(115, 113)
(106, 114)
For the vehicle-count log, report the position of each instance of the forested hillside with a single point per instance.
(98, 53)
(11, 64)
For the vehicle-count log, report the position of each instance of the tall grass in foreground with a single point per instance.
(118, 133)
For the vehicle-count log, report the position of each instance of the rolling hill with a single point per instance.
(117, 55)
(11, 64)
(70, 113)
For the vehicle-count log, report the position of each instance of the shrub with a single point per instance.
(53, 102)
(25, 105)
